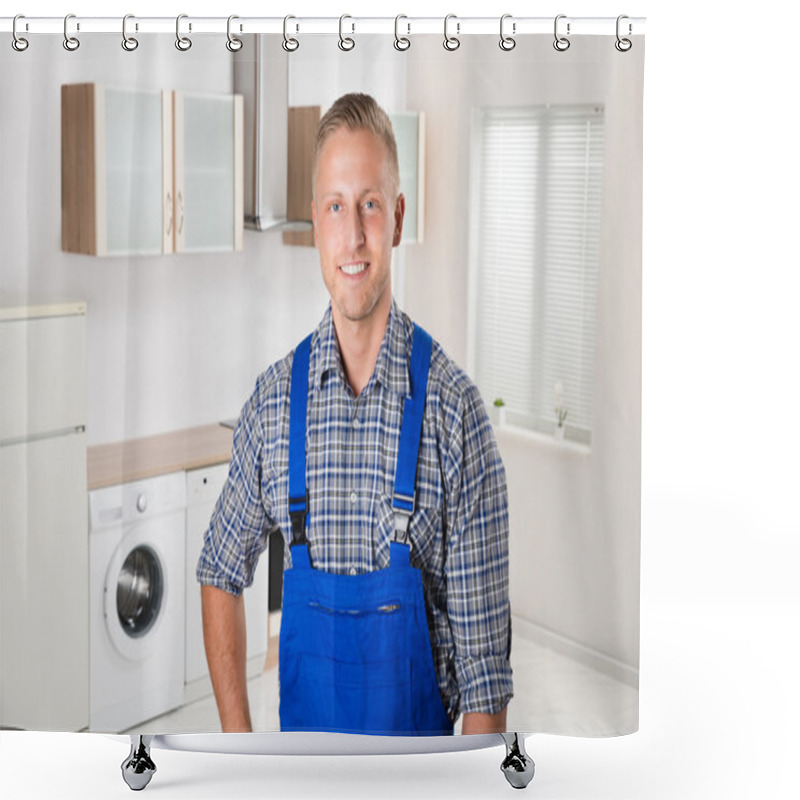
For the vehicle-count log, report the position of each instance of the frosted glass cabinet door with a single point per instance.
(137, 127)
(116, 170)
(409, 131)
(209, 172)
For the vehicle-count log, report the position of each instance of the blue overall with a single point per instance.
(355, 651)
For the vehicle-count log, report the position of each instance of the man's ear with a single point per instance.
(399, 213)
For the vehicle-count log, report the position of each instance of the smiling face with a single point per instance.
(358, 218)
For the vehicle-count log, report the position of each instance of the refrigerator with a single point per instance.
(44, 549)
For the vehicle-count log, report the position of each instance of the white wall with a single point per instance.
(575, 518)
(318, 74)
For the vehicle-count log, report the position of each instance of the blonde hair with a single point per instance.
(357, 111)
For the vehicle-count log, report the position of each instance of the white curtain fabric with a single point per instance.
(175, 341)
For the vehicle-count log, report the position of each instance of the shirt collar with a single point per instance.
(326, 349)
(391, 367)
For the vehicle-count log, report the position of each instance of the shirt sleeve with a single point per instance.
(477, 561)
(236, 535)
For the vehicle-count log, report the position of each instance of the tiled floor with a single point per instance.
(552, 694)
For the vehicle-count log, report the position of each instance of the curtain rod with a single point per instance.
(460, 26)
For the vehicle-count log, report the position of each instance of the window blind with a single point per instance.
(536, 213)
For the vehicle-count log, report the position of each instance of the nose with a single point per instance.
(355, 229)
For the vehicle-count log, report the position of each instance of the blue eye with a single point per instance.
(370, 204)
(335, 206)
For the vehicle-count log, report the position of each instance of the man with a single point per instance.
(346, 456)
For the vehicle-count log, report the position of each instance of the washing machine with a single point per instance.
(137, 601)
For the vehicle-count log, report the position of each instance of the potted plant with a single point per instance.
(500, 405)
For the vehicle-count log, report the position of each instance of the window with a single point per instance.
(535, 213)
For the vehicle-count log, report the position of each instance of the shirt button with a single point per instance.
(353, 497)
(356, 422)
(353, 571)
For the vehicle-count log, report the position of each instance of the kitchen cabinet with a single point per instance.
(116, 170)
(409, 133)
(150, 172)
(303, 121)
(45, 580)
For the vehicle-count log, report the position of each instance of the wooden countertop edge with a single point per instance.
(149, 456)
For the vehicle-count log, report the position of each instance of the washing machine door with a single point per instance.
(135, 596)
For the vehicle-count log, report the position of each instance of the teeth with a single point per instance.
(353, 269)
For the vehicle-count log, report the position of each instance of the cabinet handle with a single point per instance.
(180, 212)
(168, 209)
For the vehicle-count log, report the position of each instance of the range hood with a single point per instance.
(262, 77)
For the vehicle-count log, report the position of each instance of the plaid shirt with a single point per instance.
(459, 529)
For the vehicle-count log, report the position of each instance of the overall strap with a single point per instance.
(298, 403)
(410, 433)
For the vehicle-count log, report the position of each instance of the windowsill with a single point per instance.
(512, 432)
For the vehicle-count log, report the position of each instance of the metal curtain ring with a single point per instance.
(183, 43)
(401, 42)
(623, 45)
(128, 42)
(561, 43)
(71, 43)
(18, 43)
(345, 42)
(451, 42)
(233, 44)
(289, 44)
(507, 42)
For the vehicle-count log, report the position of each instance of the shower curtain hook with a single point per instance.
(233, 44)
(18, 43)
(507, 42)
(128, 42)
(401, 42)
(451, 42)
(71, 43)
(289, 44)
(345, 42)
(183, 43)
(623, 45)
(561, 43)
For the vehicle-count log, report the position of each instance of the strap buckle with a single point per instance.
(403, 506)
(297, 514)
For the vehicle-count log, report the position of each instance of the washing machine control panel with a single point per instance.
(128, 502)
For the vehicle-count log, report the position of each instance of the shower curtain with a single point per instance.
(520, 165)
